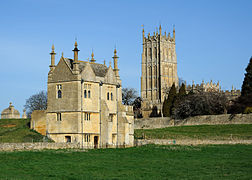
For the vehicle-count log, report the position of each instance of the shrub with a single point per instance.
(248, 110)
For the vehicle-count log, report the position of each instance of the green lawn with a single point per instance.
(146, 162)
(17, 130)
(210, 132)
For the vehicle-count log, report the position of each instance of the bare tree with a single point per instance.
(137, 107)
(128, 95)
(203, 103)
(36, 102)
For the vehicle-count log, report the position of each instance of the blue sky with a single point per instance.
(213, 39)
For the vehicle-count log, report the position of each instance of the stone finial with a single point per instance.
(160, 29)
(104, 62)
(62, 54)
(110, 63)
(92, 57)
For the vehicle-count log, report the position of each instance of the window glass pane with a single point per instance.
(89, 94)
(59, 94)
(85, 93)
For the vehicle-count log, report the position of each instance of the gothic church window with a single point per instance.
(150, 71)
(111, 96)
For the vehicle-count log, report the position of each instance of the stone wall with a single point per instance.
(37, 146)
(48, 145)
(162, 122)
(152, 123)
(141, 142)
(38, 121)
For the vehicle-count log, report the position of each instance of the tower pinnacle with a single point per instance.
(174, 32)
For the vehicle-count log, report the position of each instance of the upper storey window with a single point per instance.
(59, 91)
(111, 96)
(87, 90)
(108, 96)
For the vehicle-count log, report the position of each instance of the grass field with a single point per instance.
(17, 130)
(145, 162)
(210, 132)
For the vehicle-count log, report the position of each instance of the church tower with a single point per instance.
(159, 69)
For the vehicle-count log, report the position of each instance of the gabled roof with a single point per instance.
(99, 69)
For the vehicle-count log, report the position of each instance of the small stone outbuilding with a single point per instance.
(10, 113)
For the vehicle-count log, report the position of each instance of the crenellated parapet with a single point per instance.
(204, 87)
(213, 87)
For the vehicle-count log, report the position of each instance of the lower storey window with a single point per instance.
(87, 116)
(59, 117)
(68, 138)
(87, 138)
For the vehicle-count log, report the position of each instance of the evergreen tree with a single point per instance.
(182, 90)
(247, 82)
(245, 100)
(179, 97)
(165, 108)
(170, 100)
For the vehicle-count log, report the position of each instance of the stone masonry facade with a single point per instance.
(84, 104)
(159, 69)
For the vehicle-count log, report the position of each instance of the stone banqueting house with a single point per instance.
(85, 104)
